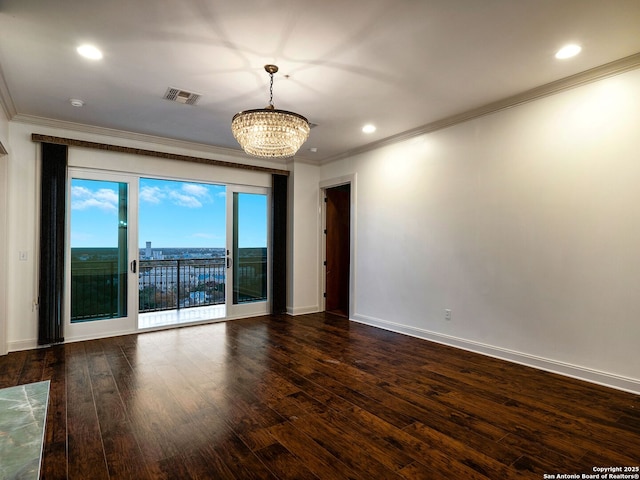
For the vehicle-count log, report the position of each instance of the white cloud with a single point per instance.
(189, 195)
(80, 192)
(151, 195)
(184, 200)
(195, 190)
(107, 195)
(103, 199)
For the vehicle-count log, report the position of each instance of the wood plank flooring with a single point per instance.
(314, 397)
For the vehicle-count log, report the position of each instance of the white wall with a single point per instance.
(21, 276)
(303, 239)
(525, 223)
(22, 220)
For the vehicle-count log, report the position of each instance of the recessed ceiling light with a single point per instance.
(568, 51)
(76, 102)
(369, 128)
(89, 51)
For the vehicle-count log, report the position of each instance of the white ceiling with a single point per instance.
(399, 64)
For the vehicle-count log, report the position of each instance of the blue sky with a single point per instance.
(171, 215)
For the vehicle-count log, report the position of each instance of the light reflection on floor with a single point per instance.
(169, 318)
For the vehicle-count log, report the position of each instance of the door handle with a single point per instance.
(133, 266)
(229, 261)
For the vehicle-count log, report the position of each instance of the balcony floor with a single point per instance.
(167, 318)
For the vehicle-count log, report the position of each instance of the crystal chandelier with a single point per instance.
(268, 132)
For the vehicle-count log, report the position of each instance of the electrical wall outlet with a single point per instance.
(447, 314)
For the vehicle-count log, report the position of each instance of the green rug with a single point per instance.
(23, 413)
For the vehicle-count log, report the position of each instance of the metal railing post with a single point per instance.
(178, 290)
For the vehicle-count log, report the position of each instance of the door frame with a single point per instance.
(92, 330)
(249, 309)
(324, 185)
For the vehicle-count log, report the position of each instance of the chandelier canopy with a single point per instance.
(269, 132)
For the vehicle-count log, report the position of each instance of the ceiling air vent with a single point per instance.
(181, 96)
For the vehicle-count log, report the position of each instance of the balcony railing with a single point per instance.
(175, 284)
(97, 287)
(96, 290)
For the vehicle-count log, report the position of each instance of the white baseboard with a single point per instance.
(22, 345)
(581, 373)
(303, 310)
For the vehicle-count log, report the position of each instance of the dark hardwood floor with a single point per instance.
(314, 396)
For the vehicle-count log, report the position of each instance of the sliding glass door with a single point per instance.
(101, 259)
(150, 253)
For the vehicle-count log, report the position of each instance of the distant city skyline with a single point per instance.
(171, 214)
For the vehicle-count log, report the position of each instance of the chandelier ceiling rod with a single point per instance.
(271, 69)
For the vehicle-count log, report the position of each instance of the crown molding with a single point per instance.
(6, 102)
(607, 70)
(302, 159)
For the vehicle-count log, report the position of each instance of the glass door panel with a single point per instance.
(99, 253)
(100, 257)
(182, 265)
(248, 264)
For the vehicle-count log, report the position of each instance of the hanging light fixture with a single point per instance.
(268, 132)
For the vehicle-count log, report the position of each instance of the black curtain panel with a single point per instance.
(279, 244)
(52, 232)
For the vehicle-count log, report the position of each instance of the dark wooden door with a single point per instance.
(338, 241)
